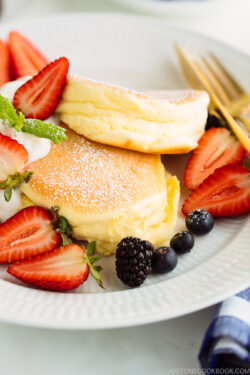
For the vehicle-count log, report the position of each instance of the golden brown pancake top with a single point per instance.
(95, 178)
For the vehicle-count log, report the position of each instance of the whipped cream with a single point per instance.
(8, 90)
(37, 148)
(8, 209)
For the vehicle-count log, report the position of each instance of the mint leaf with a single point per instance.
(92, 248)
(38, 128)
(8, 112)
(43, 129)
(12, 182)
(19, 122)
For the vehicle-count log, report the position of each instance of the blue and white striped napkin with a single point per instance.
(227, 341)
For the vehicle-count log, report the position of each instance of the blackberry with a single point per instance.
(133, 260)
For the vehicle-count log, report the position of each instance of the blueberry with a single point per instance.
(182, 242)
(164, 260)
(199, 222)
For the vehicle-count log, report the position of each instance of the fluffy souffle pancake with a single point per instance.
(157, 122)
(106, 193)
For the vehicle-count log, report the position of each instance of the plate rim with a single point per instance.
(67, 324)
(54, 324)
(168, 8)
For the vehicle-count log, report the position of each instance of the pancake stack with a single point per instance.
(117, 187)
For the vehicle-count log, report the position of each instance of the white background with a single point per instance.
(158, 348)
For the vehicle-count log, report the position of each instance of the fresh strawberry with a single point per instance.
(5, 75)
(27, 233)
(25, 58)
(38, 97)
(226, 192)
(13, 157)
(62, 269)
(217, 147)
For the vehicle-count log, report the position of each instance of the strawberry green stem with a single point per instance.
(14, 181)
(62, 226)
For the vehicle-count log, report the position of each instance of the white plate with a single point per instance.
(177, 8)
(136, 52)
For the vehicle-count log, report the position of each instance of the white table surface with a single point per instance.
(169, 347)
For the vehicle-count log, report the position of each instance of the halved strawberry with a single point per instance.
(62, 269)
(13, 157)
(216, 148)
(27, 233)
(25, 58)
(226, 192)
(5, 74)
(38, 97)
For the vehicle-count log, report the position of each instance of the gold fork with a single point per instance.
(226, 94)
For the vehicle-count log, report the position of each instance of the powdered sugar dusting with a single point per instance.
(92, 177)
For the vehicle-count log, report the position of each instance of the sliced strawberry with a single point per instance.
(27, 233)
(13, 157)
(25, 58)
(226, 192)
(217, 147)
(5, 74)
(62, 269)
(38, 97)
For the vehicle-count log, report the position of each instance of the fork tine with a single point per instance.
(232, 85)
(238, 131)
(197, 72)
(239, 106)
(214, 80)
(187, 69)
(236, 103)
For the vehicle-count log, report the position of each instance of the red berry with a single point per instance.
(5, 73)
(25, 58)
(62, 269)
(216, 148)
(27, 233)
(38, 97)
(226, 192)
(13, 157)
